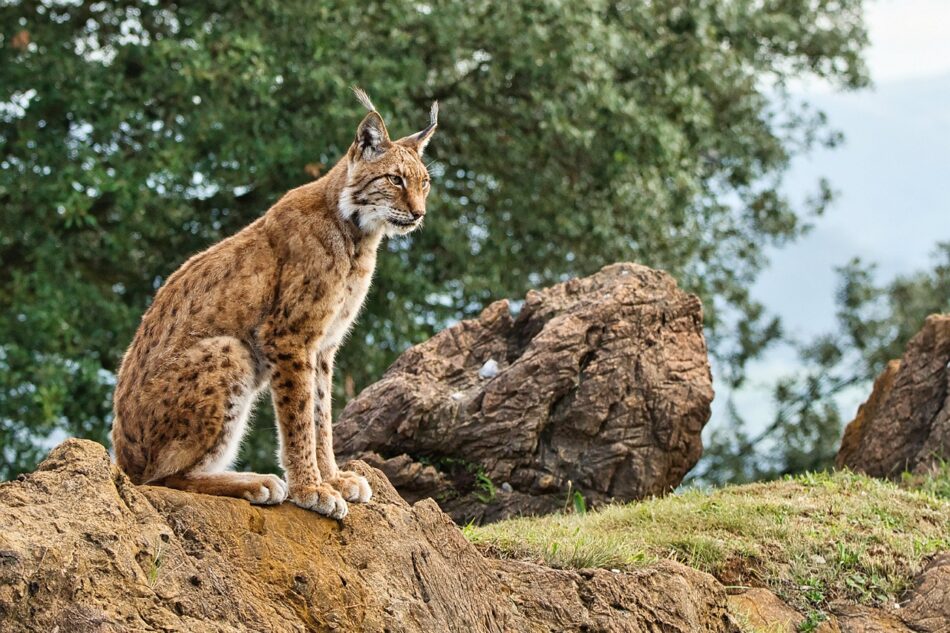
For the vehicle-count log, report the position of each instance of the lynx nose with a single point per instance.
(417, 214)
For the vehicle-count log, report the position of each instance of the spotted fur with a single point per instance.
(267, 308)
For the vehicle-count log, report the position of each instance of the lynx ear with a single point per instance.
(371, 136)
(419, 140)
(372, 139)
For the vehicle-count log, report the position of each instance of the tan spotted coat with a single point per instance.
(267, 308)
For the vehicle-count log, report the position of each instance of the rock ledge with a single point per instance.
(82, 549)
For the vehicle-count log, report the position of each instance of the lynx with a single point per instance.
(268, 306)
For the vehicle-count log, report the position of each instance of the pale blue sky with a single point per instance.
(892, 176)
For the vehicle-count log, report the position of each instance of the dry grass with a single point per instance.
(811, 539)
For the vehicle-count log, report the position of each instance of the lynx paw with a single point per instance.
(322, 499)
(353, 487)
(271, 491)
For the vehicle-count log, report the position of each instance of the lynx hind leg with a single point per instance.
(258, 489)
(224, 393)
(351, 486)
(203, 406)
(216, 388)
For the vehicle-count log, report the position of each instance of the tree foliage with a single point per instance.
(133, 134)
(874, 323)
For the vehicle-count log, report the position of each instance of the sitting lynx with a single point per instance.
(267, 306)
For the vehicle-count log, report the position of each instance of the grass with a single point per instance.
(811, 539)
(154, 566)
(937, 484)
(476, 480)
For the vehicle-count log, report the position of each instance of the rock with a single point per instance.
(853, 618)
(759, 609)
(599, 385)
(601, 600)
(928, 607)
(762, 610)
(82, 549)
(905, 423)
(489, 369)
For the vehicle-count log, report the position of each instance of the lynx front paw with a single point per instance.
(322, 499)
(353, 487)
(271, 491)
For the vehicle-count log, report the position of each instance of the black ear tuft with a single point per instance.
(419, 140)
(372, 139)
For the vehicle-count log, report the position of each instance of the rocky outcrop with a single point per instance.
(928, 607)
(599, 385)
(905, 423)
(761, 610)
(82, 549)
(853, 618)
(927, 610)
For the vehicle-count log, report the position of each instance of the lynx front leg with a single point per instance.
(353, 487)
(292, 391)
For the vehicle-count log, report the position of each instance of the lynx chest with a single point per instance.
(351, 300)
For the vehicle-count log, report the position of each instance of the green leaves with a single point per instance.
(573, 135)
(875, 322)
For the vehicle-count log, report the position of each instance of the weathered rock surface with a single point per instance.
(761, 609)
(927, 610)
(928, 607)
(905, 423)
(602, 382)
(853, 618)
(82, 549)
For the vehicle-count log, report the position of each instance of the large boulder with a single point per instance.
(83, 550)
(599, 385)
(905, 423)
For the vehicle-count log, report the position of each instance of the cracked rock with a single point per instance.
(82, 549)
(905, 423)
(599, 385)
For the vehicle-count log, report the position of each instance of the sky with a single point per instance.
(892, 177)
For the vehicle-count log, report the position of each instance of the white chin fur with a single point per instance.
(392, 230)
(372, 218)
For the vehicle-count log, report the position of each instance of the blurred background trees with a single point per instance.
(874, 323)
(573, 135)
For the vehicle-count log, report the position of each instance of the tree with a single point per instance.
(572, 135)
(874, 323)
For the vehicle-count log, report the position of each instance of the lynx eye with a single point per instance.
(396, 180)
(425, 183)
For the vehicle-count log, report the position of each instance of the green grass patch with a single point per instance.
(811, 539)
(937, 484)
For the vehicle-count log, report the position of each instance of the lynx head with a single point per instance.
(387, 182)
